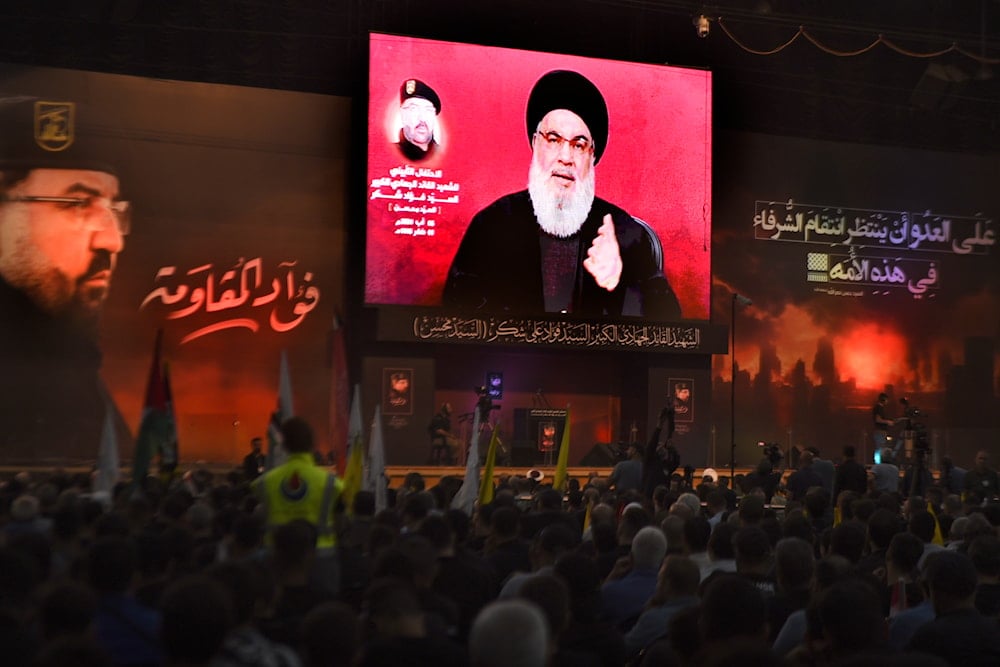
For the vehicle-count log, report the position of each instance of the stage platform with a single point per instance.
(396, 474)
(432, 474)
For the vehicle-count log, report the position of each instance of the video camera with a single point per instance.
(771, 451)
(912, 415)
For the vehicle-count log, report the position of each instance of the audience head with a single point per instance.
(66, 608)
(922, 525)
(509, 632)
(753, 548)
(579, 572)
(732, 607)
(679, 577)
(392, 608)
(951, 578)
(111, 564)
(905, 550)
(649, 546)
(330, 635)
(551, 595)
(751, 510)
(297, 435)
(697, 531)
(197, 615)
(985, 554)
(817, 502)
(882, 526)
(850, 612)
(794, 564)
(720, 544)
(848, 540)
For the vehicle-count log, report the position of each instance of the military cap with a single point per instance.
(49, 134)
(417, 88)
(563, 89)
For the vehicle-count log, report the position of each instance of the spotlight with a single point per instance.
(702, 26)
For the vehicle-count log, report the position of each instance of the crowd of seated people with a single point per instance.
(179, 574)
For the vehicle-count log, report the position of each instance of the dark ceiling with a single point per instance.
(950, 101)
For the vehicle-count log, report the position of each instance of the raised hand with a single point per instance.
(604, 261)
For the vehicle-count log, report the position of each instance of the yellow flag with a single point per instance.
(353, 473)
(559, 482)
(836, 516)
(938, 537)
(486, 484)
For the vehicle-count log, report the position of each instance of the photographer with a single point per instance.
(880, 422)
(764, 477)
(661, 460)
(982, 479)
(627, 475)
(803, 479)
(917, 478)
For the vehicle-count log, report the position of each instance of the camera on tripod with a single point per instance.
(771, 451)
(914, 417)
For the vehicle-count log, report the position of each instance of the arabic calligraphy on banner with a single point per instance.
(917, 275)
(240, 296)
(555, 332)
(415, 198)
(927, 232)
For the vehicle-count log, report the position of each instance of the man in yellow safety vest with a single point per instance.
(301, 490)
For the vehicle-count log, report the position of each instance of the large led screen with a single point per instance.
(513, 182)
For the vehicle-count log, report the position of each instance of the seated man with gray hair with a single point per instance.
(633, 580)
(509, 632)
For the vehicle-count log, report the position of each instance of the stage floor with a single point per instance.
(432, 474)
(396, 474)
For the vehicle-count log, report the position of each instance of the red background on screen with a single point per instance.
(657, 164)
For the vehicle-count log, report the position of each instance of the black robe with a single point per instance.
(498, 266)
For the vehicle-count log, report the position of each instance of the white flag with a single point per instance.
(276, 454)
(374, 478)
(465, 499)
(107, 454)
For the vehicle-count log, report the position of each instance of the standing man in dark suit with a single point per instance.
(851, 475)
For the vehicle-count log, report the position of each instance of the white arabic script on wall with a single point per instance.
(239, 295)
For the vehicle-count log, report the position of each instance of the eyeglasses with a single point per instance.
(91, 212)
(554, 141)
(412, 106)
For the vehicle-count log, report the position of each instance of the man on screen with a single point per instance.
(555, 247)
(419, 107)
(62, 225)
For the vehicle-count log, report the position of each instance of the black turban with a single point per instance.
(562, 89)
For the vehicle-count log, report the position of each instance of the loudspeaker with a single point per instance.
(523, 454)
(521, 424)
(600, 456)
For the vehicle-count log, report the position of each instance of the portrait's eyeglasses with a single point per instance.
(553, 141)
(417, 106)
(91, 212)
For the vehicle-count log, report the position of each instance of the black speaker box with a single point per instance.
(600, 455)
(523, 454)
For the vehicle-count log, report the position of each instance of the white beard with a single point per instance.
(560, 216)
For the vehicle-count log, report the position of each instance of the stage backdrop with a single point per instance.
(236, 250)
(870, 269)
